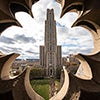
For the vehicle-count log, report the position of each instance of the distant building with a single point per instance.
(50, 53)
(71, 63)
(20, 64)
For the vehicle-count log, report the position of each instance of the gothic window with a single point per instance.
(51, 72)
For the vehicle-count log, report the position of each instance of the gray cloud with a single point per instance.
(4, 50)
(31, 52)
(65, 53)
(23, 38)
(11, 49)
(6, 40)
(62, 30)
(85, 50)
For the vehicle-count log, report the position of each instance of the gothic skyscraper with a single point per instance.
(50, 53)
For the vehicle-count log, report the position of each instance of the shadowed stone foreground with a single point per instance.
(15, 88)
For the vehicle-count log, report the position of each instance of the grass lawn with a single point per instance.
(42, 87)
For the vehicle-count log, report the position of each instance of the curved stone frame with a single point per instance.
(14, 88)
(18, 87)
(89, 14)
(8, 10)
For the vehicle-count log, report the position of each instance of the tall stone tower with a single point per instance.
(50, 53)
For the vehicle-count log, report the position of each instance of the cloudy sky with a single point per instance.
(26, 40)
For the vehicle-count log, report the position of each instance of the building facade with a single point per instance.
(50, 53)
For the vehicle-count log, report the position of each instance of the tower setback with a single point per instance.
(50, 53)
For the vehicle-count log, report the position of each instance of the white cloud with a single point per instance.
(72, 39)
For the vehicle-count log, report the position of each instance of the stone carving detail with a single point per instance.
(89, 14)
(8, 9)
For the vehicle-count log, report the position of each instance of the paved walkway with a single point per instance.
(61, 94)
